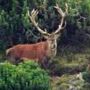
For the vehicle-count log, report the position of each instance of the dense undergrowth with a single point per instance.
(26, 76)
(15, 26)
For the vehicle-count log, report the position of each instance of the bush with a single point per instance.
(86, 76)
(25, 76)
(15, 26)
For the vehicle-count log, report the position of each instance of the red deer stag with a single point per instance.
(39, 50)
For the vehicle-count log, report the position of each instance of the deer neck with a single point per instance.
(51, 52)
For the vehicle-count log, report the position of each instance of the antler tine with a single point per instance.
(32, 17)
(34, 13)
(59, 10)
(66, 8)
(63, 14)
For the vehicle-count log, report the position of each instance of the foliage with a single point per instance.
(86, 76)
(68, 82)
(15, 26)
(25, 76)
(78, 22)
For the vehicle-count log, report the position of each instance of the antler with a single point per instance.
(34, 13)
(63, 14)
(32, 17)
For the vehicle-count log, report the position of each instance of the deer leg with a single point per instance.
(45, 63)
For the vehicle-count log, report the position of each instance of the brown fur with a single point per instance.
(35, 52)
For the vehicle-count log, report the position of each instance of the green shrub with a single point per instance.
(86, 76)
(25, 76)
(15, 26)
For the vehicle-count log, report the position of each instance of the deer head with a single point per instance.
(50, 37)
